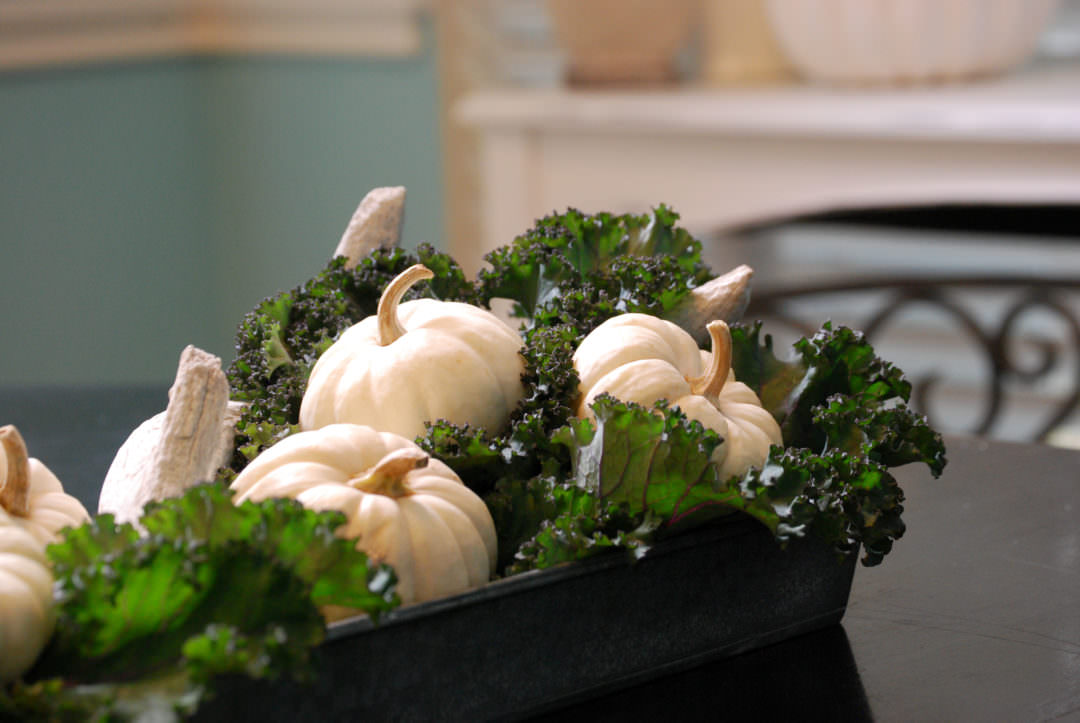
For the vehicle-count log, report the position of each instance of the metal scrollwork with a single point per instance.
(995, 341)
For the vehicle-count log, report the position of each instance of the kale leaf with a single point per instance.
(566, 275)
(842, 411)
(210, 588)
(648, 472)
(550, 386)
(845, 421)
(580, 269)
(543, 522)
(836, 393)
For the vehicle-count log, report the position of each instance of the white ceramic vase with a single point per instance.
(739, 45)
(907, 41)
(622, 41)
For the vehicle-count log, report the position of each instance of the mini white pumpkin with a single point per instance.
(402, 508)
(26, 608)
(643, 359)
(32, 494)
(33, 509)
(417, 362)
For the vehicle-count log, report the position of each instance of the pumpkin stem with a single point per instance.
(390, 328)
(388, 476)
(15, 494)
(716, 375)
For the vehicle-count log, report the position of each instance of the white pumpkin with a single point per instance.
(643, 359)
(402, 508)
(26, 608)
(417, 362)
(32, 494)
(33, 509)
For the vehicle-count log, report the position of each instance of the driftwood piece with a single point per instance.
(178, 448)
(375, 224)
(725, 298)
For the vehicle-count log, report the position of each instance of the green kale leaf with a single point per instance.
(543, 522)
(550, 385)
(209, 588)
(579, 269)
(845, 422)
(836, 393)
(657, 466)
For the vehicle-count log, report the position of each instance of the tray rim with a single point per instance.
(535, 596)
(726, 527)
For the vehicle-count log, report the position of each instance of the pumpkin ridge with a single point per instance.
(451, 491)
(389, 540)
(26, 584)
(275, 482)
(375, 518)
(479, 364)
(439, 391)
(427, 533)
(459, 523)
(666, 382)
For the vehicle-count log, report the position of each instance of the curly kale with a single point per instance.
(151, 620)
(566, 276)
(580, 269)
(640, 474)
(146, 622)
(279, 341)
(837, 394)
(845, 420)
(842, 411)
(550, 385)
(542, 522)
(637, 474)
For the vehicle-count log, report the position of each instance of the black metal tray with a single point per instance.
(542, 639)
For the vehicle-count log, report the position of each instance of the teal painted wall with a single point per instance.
(145, 206)
(101, 223)
(295, 146)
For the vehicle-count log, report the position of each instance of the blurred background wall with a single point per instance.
(158, 181)
(105, 235)
(146, 203)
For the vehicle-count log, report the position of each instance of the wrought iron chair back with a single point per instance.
(996, 339)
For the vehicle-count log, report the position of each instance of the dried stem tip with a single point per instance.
(716, 375)
(15, 494)
(388, 476)
(390, 328)
(375, 224)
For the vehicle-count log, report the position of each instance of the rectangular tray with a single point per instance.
(543, 639)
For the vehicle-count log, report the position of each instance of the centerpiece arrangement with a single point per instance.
(382, 440)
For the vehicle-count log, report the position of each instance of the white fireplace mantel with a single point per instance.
(728, 158)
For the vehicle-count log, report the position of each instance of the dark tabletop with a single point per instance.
(974, 616)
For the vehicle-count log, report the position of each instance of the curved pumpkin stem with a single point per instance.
(388, 476)
(716, 375)
(390, 328)
(15, 494)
